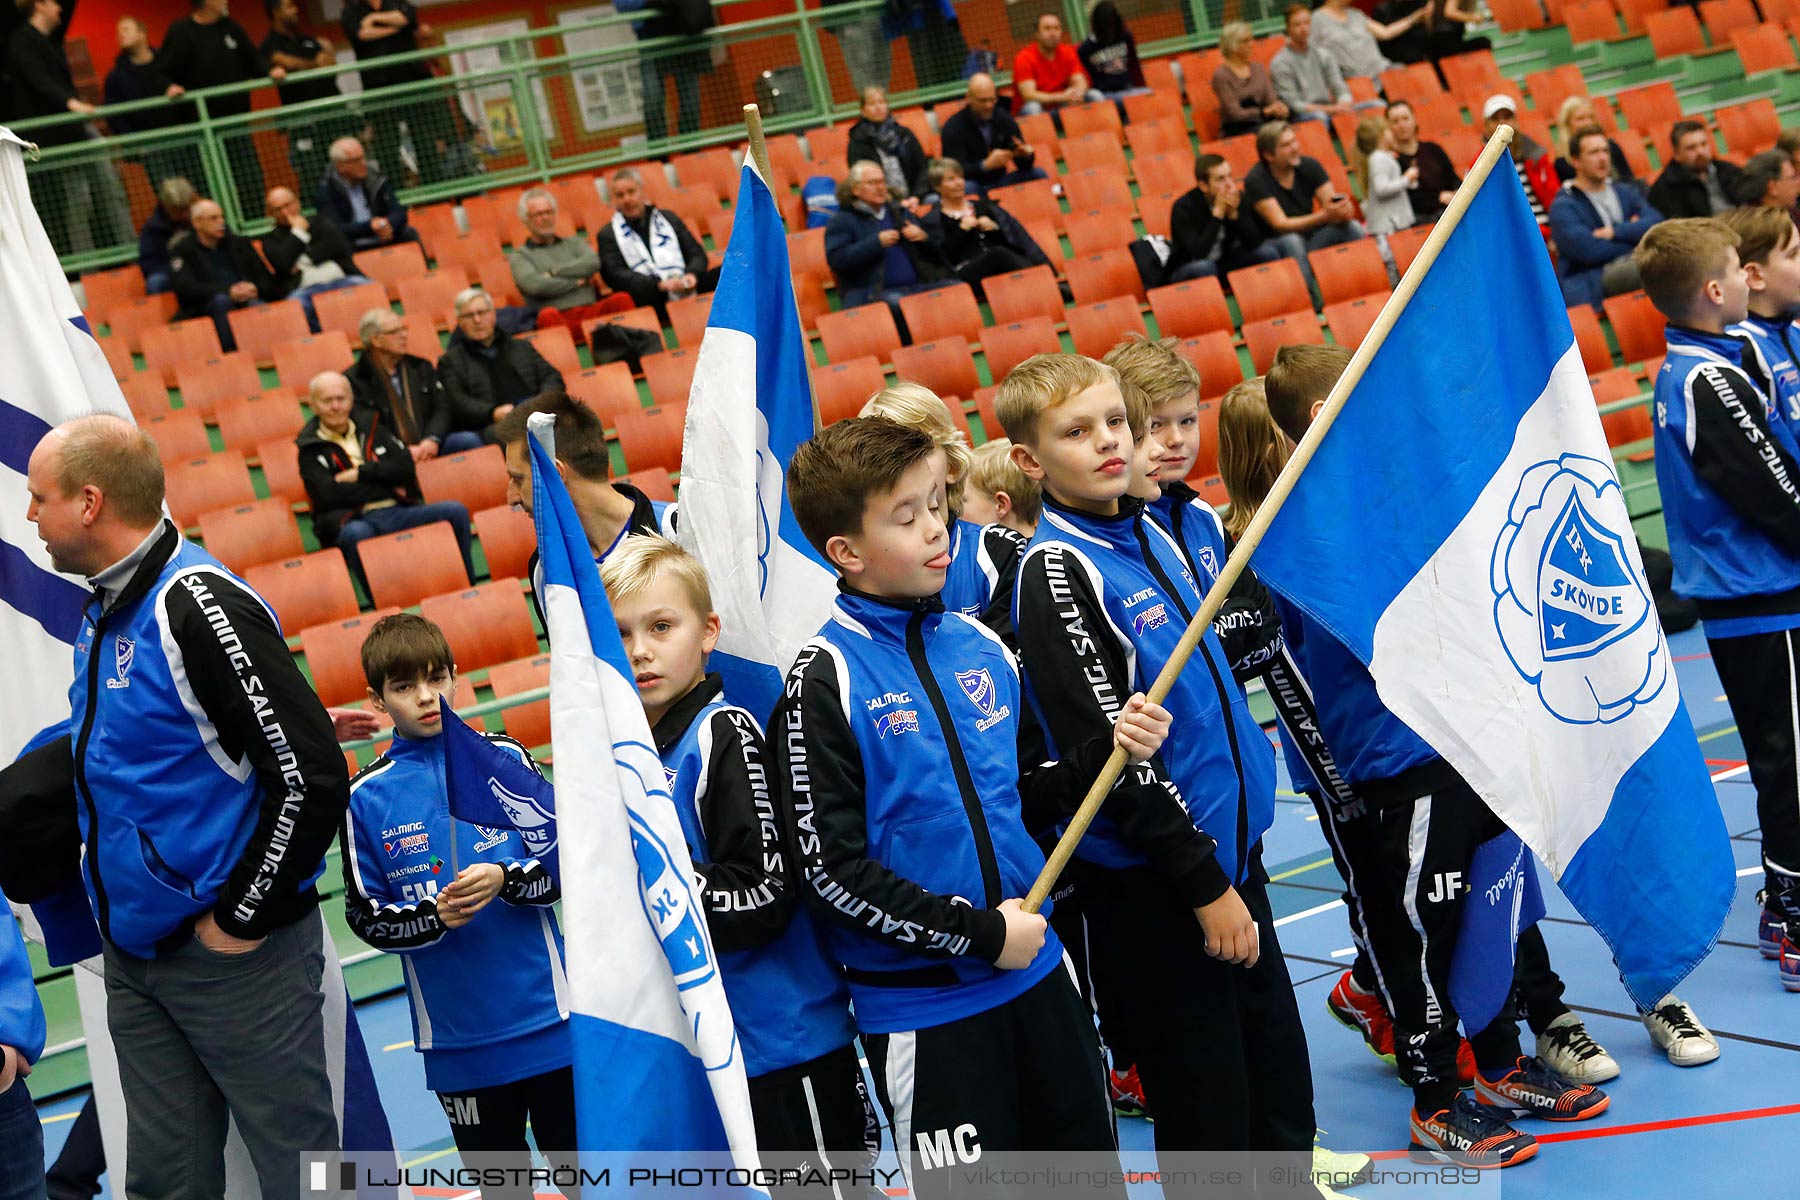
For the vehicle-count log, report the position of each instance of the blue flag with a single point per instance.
(489, 786)
(1504, 898)
(1462, 532)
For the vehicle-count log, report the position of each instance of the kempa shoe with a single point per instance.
(1679, 1034)
(1363, 1012)
(1468, 1135)
(1127, 1093)
(1771, 927)
(1572, 1053)
(1338, 1169)
(1532, 1089)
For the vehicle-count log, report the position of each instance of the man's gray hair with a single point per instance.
(177, 193)
(630, 173)
(467, 297)
(341, 149)
(536, 193)
(370, 325)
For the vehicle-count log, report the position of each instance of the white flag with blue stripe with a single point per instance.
(751, 405)
(1462, 531)
(657, 1063)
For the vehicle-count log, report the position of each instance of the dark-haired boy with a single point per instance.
(896, 750)
(484, 981)
(1728, 468)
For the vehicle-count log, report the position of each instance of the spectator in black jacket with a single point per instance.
(305, 256)
(138, 75)
(216, 271)
(985, 139)
(168, 219)
(378, 29)
(978, 238)
(648, 253)
(404, 389)
(360, 201)
(876, 250)
(878, 138)
(208, 49)
(1211, 230)
(1694, 184)
(292, 49)
(359, 477)
(485, 372)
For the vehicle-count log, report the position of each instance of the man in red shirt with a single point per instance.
(1047, 74)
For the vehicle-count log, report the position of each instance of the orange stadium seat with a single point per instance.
(636, 318)
(405, 567)
(1197, 71)
(1637, 12)
(1351, 320)
(118, 356)
(1097, 187)
(577, 195)
(1551, 86)
(1596, 21)
(830, 146)
(1637, 326)
(1762, 48)
(128, 320)
(248, 535)
(1040, 134)
(810, 299)
(178, 434)
(298, 361)
(434, 295)
(464, 252)
(806, 254)
(841, 389)
(1006, 346)
(305, 589)
(716, 167)
(605, 389)
(984, 406)
(166, 347)
(527, 724)
(1100, 116)
(260, 329)
(247, 421)
(104, 291)
(1216, 359)
(942, 312)
(671, 375)
(1264, 338)
(145, 394)
(343, 309)
(1171, 172)
(1649, 105)
(945, 366)
(436, 224)
(507, 539)
(1349, 270)
(1515, 16)
(854, 332)
(494, 273)
(1596, 355)
(485, 220)
(654, 483)
(1160, 121)
(1190, 309)
(475, 477)
(422, 339)
(651, 437)
(388, 265)
(1752, 126)
(1044, 236)
(688, 316)
(333, 651)
(1098, 327)
(1269, 290)
(1100, 229)
(1103, 275)
(1095, 152)
(1675, 32)
(1154, 209)
(486, 624)
(1033, 200)
(206, 382)
(280, 463)
(1405, 245)
(557, 345)
(199, 485)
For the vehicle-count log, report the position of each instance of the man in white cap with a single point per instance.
(1530, 160)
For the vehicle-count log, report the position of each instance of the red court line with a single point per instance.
(1691, 657)
(1728, 764)
(1579, 1135)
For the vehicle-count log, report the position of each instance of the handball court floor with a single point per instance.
(1722, 1130)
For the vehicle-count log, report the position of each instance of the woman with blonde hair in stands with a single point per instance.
(1245, 89)
(1575, 113)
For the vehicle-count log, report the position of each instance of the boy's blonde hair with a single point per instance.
(644, 558)
(1301, 377)
(1252, 451)
(918, 407)
(1154, 368)
(1761, 231)
(1042, 382)
(1677, 258)
(993, 471)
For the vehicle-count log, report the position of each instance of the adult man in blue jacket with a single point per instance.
(1595, 223)
(207, 787)
(360, 201)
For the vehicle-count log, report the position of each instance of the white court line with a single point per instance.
(1748, 871)
(1730, 773)
(1311, 912)
(1346, 952)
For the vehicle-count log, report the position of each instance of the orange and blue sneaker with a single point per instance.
(1467, 1134)
(1771, 927)
(1127, 1093)
(1364, 1012)
(1790, 965)
(1532, 1089)
(1465, 1063)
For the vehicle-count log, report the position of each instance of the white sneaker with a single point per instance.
(1342, 1170)
(1677, 1032)
(1574, 1054)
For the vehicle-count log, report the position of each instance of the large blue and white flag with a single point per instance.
(751, 405)
(657, 1063)
(1461, 530)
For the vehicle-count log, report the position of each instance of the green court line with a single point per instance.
(1718, 733)
(1301, 870)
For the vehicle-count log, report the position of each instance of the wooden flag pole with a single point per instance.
(759, 155)
(1278, 494)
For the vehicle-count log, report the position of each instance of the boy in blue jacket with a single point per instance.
(787, 997)
(897, 758)
(21, 1041)
(1728, 467)
(485, 981)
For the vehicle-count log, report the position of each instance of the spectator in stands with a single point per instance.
(1768, 178)
(1353, 38)
(216, 272)
(1694, 184)
(647, 252)
(978, 238)
(486, 371)
(683, 66)
(1436, 181)
(174, 199)
(867, 55)
(878, 138)
(1299, 205)
(1047, 74)
(306, 256)
(379, 29)
(1244, 87)
(877, 250)
(985, 139)
(1577, 112)
(1109, 54)
(1789, 144)
(933, 35)
(1211, 230)
(359, 476)
(1445, 24)
(1595, 223)
(71, 199)
(1537, 172)
(404, 390)
(1307, 78)
(138, 75)
(208, 49)
(551, 271)
(361, 201)
(290, 48)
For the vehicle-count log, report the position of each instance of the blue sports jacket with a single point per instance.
(21, 1014)
(787, 996)
(490, 1000)
(984, 563)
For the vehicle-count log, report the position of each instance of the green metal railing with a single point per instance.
(537, 103)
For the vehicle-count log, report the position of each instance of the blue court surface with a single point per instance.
(1726, 1129)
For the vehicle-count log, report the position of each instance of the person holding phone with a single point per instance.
(1296, 200)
